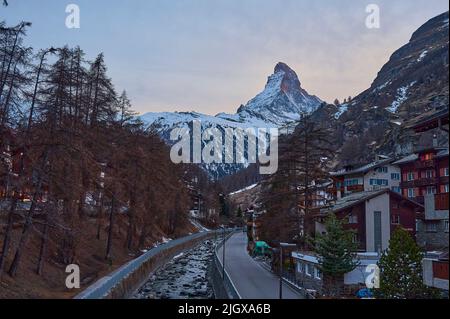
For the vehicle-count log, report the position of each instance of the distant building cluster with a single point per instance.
(374, 199)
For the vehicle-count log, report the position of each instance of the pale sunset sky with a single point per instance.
(213, 55)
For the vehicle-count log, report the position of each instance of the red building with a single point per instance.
(374, 215)
(11, 160)
(426, 172)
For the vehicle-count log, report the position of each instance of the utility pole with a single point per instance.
(223, 253)
(281, 272)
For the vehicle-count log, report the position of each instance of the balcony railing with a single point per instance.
(355, 188)
(441, 201)
(419, 182)
(424, 164)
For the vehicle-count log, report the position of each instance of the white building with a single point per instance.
(377, 175)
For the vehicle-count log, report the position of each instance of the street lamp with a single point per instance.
(285, 245)
(223, 252)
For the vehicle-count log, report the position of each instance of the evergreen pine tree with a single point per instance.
(401, 269)
(337, 254)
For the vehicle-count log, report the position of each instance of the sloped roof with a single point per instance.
(441, 152)
(363, 169)
(358, 198)
(428, 118)
(407, 159)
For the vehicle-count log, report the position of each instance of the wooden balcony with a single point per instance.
(441, 201)
(420, 182)
(425, 164)
(355, 188)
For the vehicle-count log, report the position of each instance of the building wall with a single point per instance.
(359, 187)
(360, 227)
(435, 273)
(437, 166)
(432, 240)
(378, 204)
(437, 239)
(406, 212)
(307, 281)
(373, 174)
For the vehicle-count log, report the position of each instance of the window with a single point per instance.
(317, 273)
(410, 176)
(429, 174)
(411, 193)
(353, 219)
(395, 176)
(396, 189)
(378, 182)
(446, 190)
(395, 219)
(381, 169)
(446, 225)
(351, 182)
(309, 270)
(431, 227)
(446, 171)
(300, 267)
(431, 190)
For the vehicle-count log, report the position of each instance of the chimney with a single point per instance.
(435, 140)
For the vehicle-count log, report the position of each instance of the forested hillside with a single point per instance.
(80, 178)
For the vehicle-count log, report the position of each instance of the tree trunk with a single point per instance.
(28, 222)
(8, 233)
(110, 230)
(43, 249)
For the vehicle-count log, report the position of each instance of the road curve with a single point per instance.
(251, 280)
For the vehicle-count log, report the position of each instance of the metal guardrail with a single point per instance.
(228, 285)
(102, 287)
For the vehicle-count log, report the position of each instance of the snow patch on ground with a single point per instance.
(199, 226)
(402, 96)
(244, 189)
(178, 256)
(382, 86)
(422, 56)
(397, 123)
(342, 109)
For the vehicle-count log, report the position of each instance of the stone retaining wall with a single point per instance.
(126, 280)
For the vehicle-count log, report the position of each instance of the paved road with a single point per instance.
(251, 280)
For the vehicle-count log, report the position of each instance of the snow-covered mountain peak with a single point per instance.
(283, 99)
(282, 102)
(290, 79)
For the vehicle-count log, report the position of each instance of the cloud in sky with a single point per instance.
(213, 55)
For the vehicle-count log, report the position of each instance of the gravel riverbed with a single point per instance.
(184, 277)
